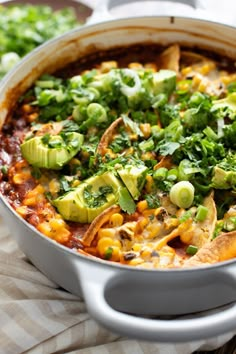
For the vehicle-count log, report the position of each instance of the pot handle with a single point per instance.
(182, 329)
(102, 10)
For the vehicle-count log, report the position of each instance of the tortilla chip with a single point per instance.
(107, 137)
(222, 248)
(165, 161)
(97, 223)
(169, 59)
(203, 231)
(192, 57)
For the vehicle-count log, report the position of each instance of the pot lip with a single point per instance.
(112, 265)
(90, 258)
(116, 21)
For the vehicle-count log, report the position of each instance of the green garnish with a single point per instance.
(202, 212)
(24, 27)
(108, 253)
(182, 194)
(96, 199)
(192, 250)
(126, 202)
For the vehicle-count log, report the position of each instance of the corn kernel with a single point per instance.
(153, 230)
(149, 183)
(186, 70)
(136, 261)
(145, 129)
(187, 235)
(142, 205)
(22, 211)
(45, 228)
(116, 220)
(136, 247)
(104, 233)
(108, 65)
(27, 108)
(206, 68)
(203, 85)
(106, 242)
(146, 253)
(196, 80)
(32, 117)
(116, 254)
(39, 189)
(226, 79)
(54, 186)
(62, 237)
(135, 66)
(151, 66)
(57, 224)
(20, 178)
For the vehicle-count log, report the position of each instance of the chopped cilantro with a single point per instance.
(108, 253)
(153, 201)
(24, 27)
(98, 198)
(126, 202)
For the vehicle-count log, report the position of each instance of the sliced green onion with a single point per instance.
(202, 212)
(192, 250)
(187, 215)
(9, 60)
(160, 174)
(108, 253)
(210, 133)
(172, 174)
(4, 169)
(97, 112)
(45, 83)
(130, 90)
(182, 194)
(220, 127)
(230, 224)
(147, 145)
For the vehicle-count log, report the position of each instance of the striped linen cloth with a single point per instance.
(38, 317)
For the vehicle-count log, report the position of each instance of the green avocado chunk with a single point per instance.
(164, 81)
(223, 179)
(89, 199)
(51, 152)
(228, 102)
(133, 178)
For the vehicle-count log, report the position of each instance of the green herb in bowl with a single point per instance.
(23, 27)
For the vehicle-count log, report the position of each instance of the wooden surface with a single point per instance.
(228, 348)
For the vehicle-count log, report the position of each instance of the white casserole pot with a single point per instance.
(120, 297)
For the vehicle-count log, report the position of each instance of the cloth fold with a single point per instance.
(38, 317)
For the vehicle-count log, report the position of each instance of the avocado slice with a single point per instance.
(223, 179)
(70, 205)
(53, 151)
(90, 198)
(164, 81)
(227, 103)
(134, 178)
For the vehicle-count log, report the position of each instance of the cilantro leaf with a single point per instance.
(125, 201)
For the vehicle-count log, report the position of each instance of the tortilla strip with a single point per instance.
(192, 57)
(222, 248)
(107, 136)
(169, 59)
(165, 161)
(97, 223)
(196, 234)
(203, 231)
